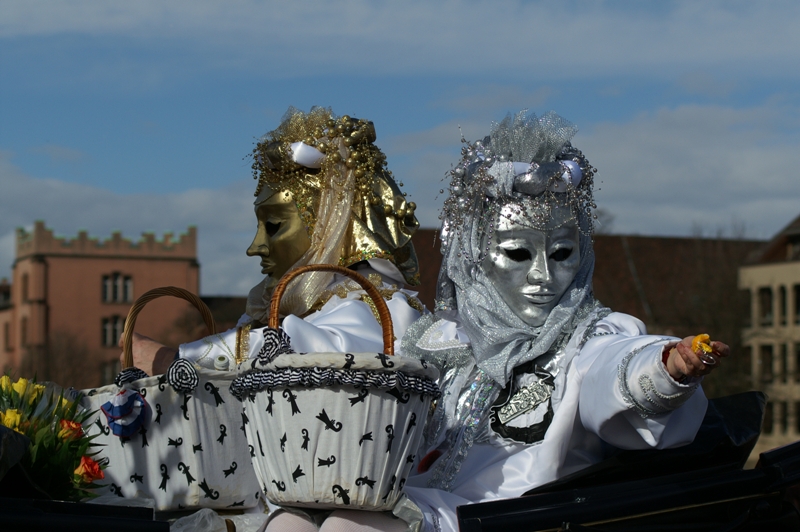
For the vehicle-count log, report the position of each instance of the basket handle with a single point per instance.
(155, 293)
(377, 298)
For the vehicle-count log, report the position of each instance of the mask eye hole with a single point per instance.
(561, 254)
(518, 254)
(272, 228)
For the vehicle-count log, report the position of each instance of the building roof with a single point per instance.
(784, 246)
(42, 241)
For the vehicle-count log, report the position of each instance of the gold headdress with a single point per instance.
(348, 199)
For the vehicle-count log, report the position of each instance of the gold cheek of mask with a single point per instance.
(281, 237)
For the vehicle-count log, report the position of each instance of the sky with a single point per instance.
(139, 116)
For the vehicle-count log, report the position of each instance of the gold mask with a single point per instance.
(281, 238)
(351, 206)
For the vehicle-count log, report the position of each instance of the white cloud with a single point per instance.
(540, 39)
(661, 173)
(224, 219)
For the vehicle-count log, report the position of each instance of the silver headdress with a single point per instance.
(489, 180)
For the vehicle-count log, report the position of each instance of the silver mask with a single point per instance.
(532, 268)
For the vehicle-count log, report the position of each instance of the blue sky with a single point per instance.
(138, 116)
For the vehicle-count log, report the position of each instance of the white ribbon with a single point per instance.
(306, 155)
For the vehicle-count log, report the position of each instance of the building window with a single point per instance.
(746, 300)
(784, 362)
(7, 336)
(765, 307)
(796, 303)
(25, 288)
(797, 365)
(117, 288)
(797, 417)
(782, 305)
(23, 331)
(109, 371)
(112, 330)
(783, 417)
(765, 360)
(769, 418)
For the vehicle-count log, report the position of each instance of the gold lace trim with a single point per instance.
(242, 343)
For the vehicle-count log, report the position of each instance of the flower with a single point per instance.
(88, 471)
(20, 386)
(58, 457)
(70, 430)
(63, 403)
(5, 384)
(36, 393)
(11, 418)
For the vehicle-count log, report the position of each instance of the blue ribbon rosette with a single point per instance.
(126, 412)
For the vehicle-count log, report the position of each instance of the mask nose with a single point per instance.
(540, 270)
(260, 245)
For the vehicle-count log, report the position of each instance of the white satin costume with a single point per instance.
(611, 389)
(343, 324)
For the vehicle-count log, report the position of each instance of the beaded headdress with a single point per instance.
(527, 167)
(523, 170)
(349, 201)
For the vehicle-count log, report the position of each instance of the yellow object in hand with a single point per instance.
(702, 342)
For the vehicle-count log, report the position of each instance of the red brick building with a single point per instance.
(63, 314)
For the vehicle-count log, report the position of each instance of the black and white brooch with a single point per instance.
(129, 375)
(276, 342)
(182, 376)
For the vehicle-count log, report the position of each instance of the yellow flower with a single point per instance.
(11, 418)
(20, 386)
(5, 384)
(36, 393)
(64, 404)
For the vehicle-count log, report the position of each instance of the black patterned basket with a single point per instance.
(334, 430)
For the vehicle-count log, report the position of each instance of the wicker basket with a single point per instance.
(336, 430)
(187, 450)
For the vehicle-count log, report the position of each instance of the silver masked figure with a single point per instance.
(539, 380)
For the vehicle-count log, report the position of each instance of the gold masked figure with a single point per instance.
(325, 196)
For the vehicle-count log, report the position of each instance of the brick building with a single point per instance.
(64, 311)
